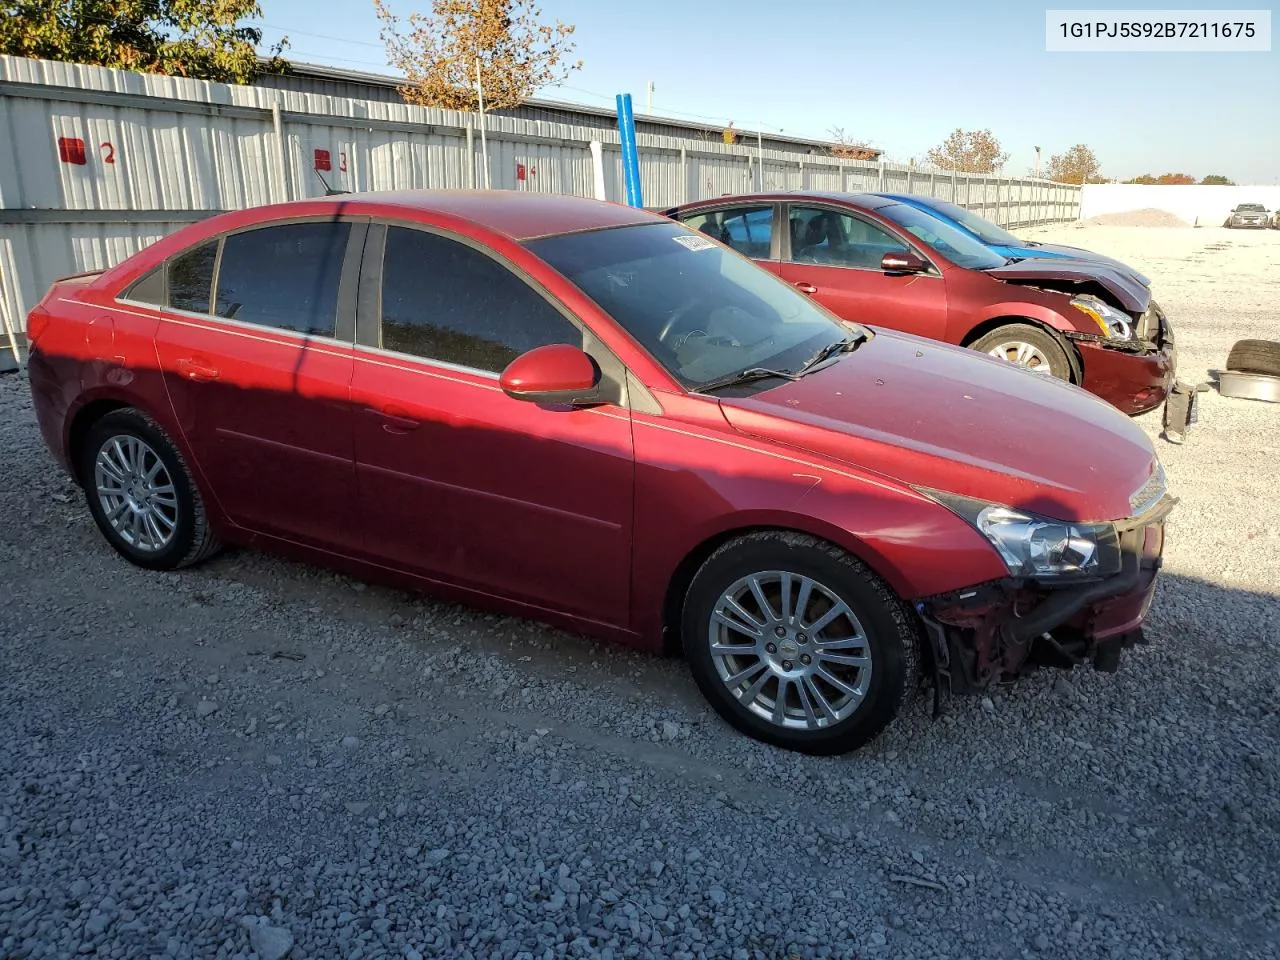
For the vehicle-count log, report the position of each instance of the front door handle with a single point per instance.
(195, 370)
(394, 419)
(804, 287)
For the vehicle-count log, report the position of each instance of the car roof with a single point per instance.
(915, 199)
(513, 213)
(867, 201)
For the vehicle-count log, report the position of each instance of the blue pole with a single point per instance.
(630, 157)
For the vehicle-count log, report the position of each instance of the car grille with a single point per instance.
(1150, 493)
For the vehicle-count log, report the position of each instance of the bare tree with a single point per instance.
(847, 148)
(438, 52)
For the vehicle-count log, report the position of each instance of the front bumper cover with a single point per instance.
(998, 630)
(1138, 375)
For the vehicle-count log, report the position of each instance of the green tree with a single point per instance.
(201, 39)
(969, 151)
(1217, 180)
(1077, 165)
(438, 52)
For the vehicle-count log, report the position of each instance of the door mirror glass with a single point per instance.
(903, 261)
(554, 373)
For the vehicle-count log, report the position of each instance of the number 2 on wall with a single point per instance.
(109, 155)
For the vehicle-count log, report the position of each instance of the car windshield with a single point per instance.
(953, 243)
(702, 311)
(1251, 208)
(980, 227)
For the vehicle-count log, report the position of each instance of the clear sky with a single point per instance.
(899, 75)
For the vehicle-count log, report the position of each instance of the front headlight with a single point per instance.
(1112, 322)
(1038, 547)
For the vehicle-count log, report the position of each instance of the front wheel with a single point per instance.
(796, 643)
(1028, 347)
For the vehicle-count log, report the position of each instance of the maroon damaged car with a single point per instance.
(877, 261)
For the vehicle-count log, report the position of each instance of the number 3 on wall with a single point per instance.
(342, 161)
(109, 151)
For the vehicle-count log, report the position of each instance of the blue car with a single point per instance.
(1001, 241)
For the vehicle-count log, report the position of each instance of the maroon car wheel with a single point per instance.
(1028, 347)
(798, 644)
(141, 494)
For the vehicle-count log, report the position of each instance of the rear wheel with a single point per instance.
(1255, 356)
(141, 494)
(1028, 347)
(798, 644)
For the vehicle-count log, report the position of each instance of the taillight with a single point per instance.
(37, 322)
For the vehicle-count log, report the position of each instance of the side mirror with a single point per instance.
(903, 262)
(555, 373)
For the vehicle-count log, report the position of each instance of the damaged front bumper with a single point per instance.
(1137, 375)
(996, 631)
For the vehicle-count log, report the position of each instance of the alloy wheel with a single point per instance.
(136, 493)
(790, 650)
(1023, 354)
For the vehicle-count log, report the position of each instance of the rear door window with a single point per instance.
(749, 230)
(284, 277)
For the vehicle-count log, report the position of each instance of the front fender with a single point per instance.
(1045, 315)
(696, 488)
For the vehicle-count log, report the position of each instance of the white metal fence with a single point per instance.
(97, 163)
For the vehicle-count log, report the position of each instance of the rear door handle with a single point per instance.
(394, 419)
(804, 287)
(195, 370)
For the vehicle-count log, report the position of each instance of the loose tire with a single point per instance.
(842, 649)
(141, 494)
(1028, 347)
(1255, 356)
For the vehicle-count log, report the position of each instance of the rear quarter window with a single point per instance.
(191, 278)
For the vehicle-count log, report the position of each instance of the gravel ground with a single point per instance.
(261, 758)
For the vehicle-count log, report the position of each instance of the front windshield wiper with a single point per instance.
(748, 375)
(830, 350)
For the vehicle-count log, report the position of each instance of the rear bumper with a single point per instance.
(50, 405)
(999, 630)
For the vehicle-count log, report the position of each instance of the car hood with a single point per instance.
(918, 412)
(1131, 295)
(1087, 256)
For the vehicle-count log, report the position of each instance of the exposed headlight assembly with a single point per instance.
(1038, 547)
(1112, 322)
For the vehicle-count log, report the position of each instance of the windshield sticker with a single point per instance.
(694, 242)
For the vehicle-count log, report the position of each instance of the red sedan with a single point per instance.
(591, 415)
(875, 260)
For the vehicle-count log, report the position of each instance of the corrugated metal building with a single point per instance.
(97, 163)
(359, 85)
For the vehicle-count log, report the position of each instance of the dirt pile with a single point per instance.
(1148, 217)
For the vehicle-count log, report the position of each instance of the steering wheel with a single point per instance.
(676, 316)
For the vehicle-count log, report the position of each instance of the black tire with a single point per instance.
(1255, 356)
(1049, 346)
(890, 629)
(191, 540)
